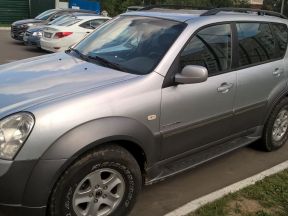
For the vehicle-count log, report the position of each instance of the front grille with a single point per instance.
(14, 29)
(27, 33)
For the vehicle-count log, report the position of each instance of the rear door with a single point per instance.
(261, 70)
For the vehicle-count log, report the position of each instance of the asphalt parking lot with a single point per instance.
(165, 196)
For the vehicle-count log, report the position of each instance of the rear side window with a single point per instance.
(281, 36)
(211, 48)
(256, 43)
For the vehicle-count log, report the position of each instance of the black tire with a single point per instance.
(269, 144)
(111, 157)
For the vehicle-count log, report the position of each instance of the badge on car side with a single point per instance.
(151, 117)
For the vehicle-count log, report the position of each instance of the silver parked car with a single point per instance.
(146, 96)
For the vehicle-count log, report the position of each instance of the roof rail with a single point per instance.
(244, 10)
(172, 6)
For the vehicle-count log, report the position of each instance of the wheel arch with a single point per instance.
(127, 133)
(273, 101)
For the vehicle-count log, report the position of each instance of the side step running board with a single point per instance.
(201, 157)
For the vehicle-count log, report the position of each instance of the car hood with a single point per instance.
(36, 29)
(26, 21)
(29, 82)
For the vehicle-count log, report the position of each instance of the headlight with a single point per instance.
(37, 34)
(26, 25)
(14, 130)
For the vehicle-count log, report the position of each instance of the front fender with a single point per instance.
(96, 132)
(79, 140)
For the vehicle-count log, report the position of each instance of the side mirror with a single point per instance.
(192, 74)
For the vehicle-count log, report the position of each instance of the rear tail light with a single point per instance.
(62, 34)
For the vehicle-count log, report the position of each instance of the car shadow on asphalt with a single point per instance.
(36, 50)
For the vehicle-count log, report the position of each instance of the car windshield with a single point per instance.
(45, 15)
(131, 43)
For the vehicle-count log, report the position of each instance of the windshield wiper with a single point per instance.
(81, 55)
(107, 63)
(98, 59)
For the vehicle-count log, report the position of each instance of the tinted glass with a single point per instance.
(136, 44)
(281, 36)
(45, 15)
(68, 21)
(59, 19)
(211, 48)
(92, 24)
(256, 43)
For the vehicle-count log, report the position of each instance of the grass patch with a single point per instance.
(268, 197)
(5, 25)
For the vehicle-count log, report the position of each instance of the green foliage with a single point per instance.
(275, 5)
(115, 7)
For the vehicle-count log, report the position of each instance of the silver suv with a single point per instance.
(148, 95)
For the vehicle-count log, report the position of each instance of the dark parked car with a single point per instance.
(18, 28)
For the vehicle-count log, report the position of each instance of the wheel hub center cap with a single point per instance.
(98, 193)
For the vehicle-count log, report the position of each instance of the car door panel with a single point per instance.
(195, 115)
(254, 87)
(262, 77)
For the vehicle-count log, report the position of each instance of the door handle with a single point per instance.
(277, 72)
(225, 87)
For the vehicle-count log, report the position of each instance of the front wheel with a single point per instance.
(102, 183)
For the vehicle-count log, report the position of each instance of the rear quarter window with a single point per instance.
(281, 36)
(261, 42)
(256, 43)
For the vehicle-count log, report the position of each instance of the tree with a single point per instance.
(275, 5)
(115, 7)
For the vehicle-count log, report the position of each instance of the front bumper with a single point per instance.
(55, 46)
(17, 33)
(13, 178)
(25, 186)
(32, 41)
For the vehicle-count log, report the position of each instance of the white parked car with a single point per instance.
(57, 38)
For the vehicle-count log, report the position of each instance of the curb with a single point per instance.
(195, 204)
(4, 28)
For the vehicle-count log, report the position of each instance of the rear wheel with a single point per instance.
(102, 183)
(276, 128)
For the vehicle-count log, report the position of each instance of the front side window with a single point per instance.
(133, 43)
(256, 43)
(211, 48)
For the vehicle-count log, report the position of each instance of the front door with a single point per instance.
(194, 115)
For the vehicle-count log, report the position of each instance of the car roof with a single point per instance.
(77, 10)
(135, 7)
(180, 16)
(87, 17)
(184, 15)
